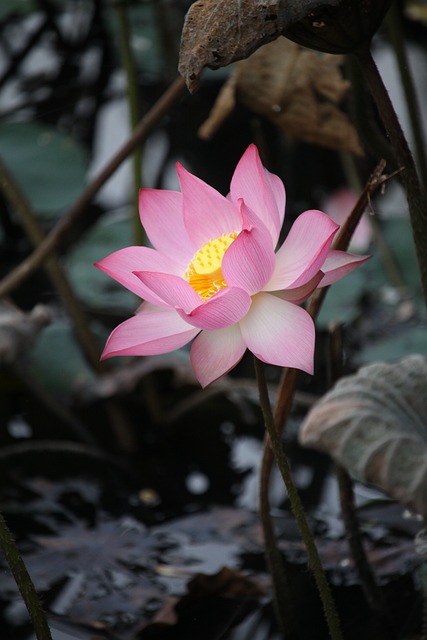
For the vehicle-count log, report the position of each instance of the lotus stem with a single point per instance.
(289, 377)
(297, 507)
(24, 582)
(282, 596)
(373, 593)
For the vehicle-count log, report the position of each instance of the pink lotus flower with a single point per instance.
(213, 274)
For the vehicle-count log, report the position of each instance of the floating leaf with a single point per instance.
(296, 89)
(412, 339)
(91, 285)
(8, 7)
(57, 361)
(49, 166)
(374, 423)
(342, 301)
(398, 236)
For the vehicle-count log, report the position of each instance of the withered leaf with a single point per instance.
(217, 32)
(374, 424)
(296, 89)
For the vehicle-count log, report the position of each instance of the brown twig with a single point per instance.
(53, 240)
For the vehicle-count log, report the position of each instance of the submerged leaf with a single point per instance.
(374, 423)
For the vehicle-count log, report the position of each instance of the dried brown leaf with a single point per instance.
(295, 89)
(217, 32)
(374, 424)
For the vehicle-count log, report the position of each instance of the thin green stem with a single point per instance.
(417, 200)
(133, 102)
(277, 569)
(297, 507)
(289, 377)
(282, 596)
(24, 582)
(368, 583)
(372, 591)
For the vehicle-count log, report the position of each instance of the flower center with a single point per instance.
(204, 272)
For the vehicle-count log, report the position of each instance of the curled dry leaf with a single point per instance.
(218, 32)
(374, 424)
(297, 90)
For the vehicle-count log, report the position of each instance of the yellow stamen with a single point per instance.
(204, 272)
